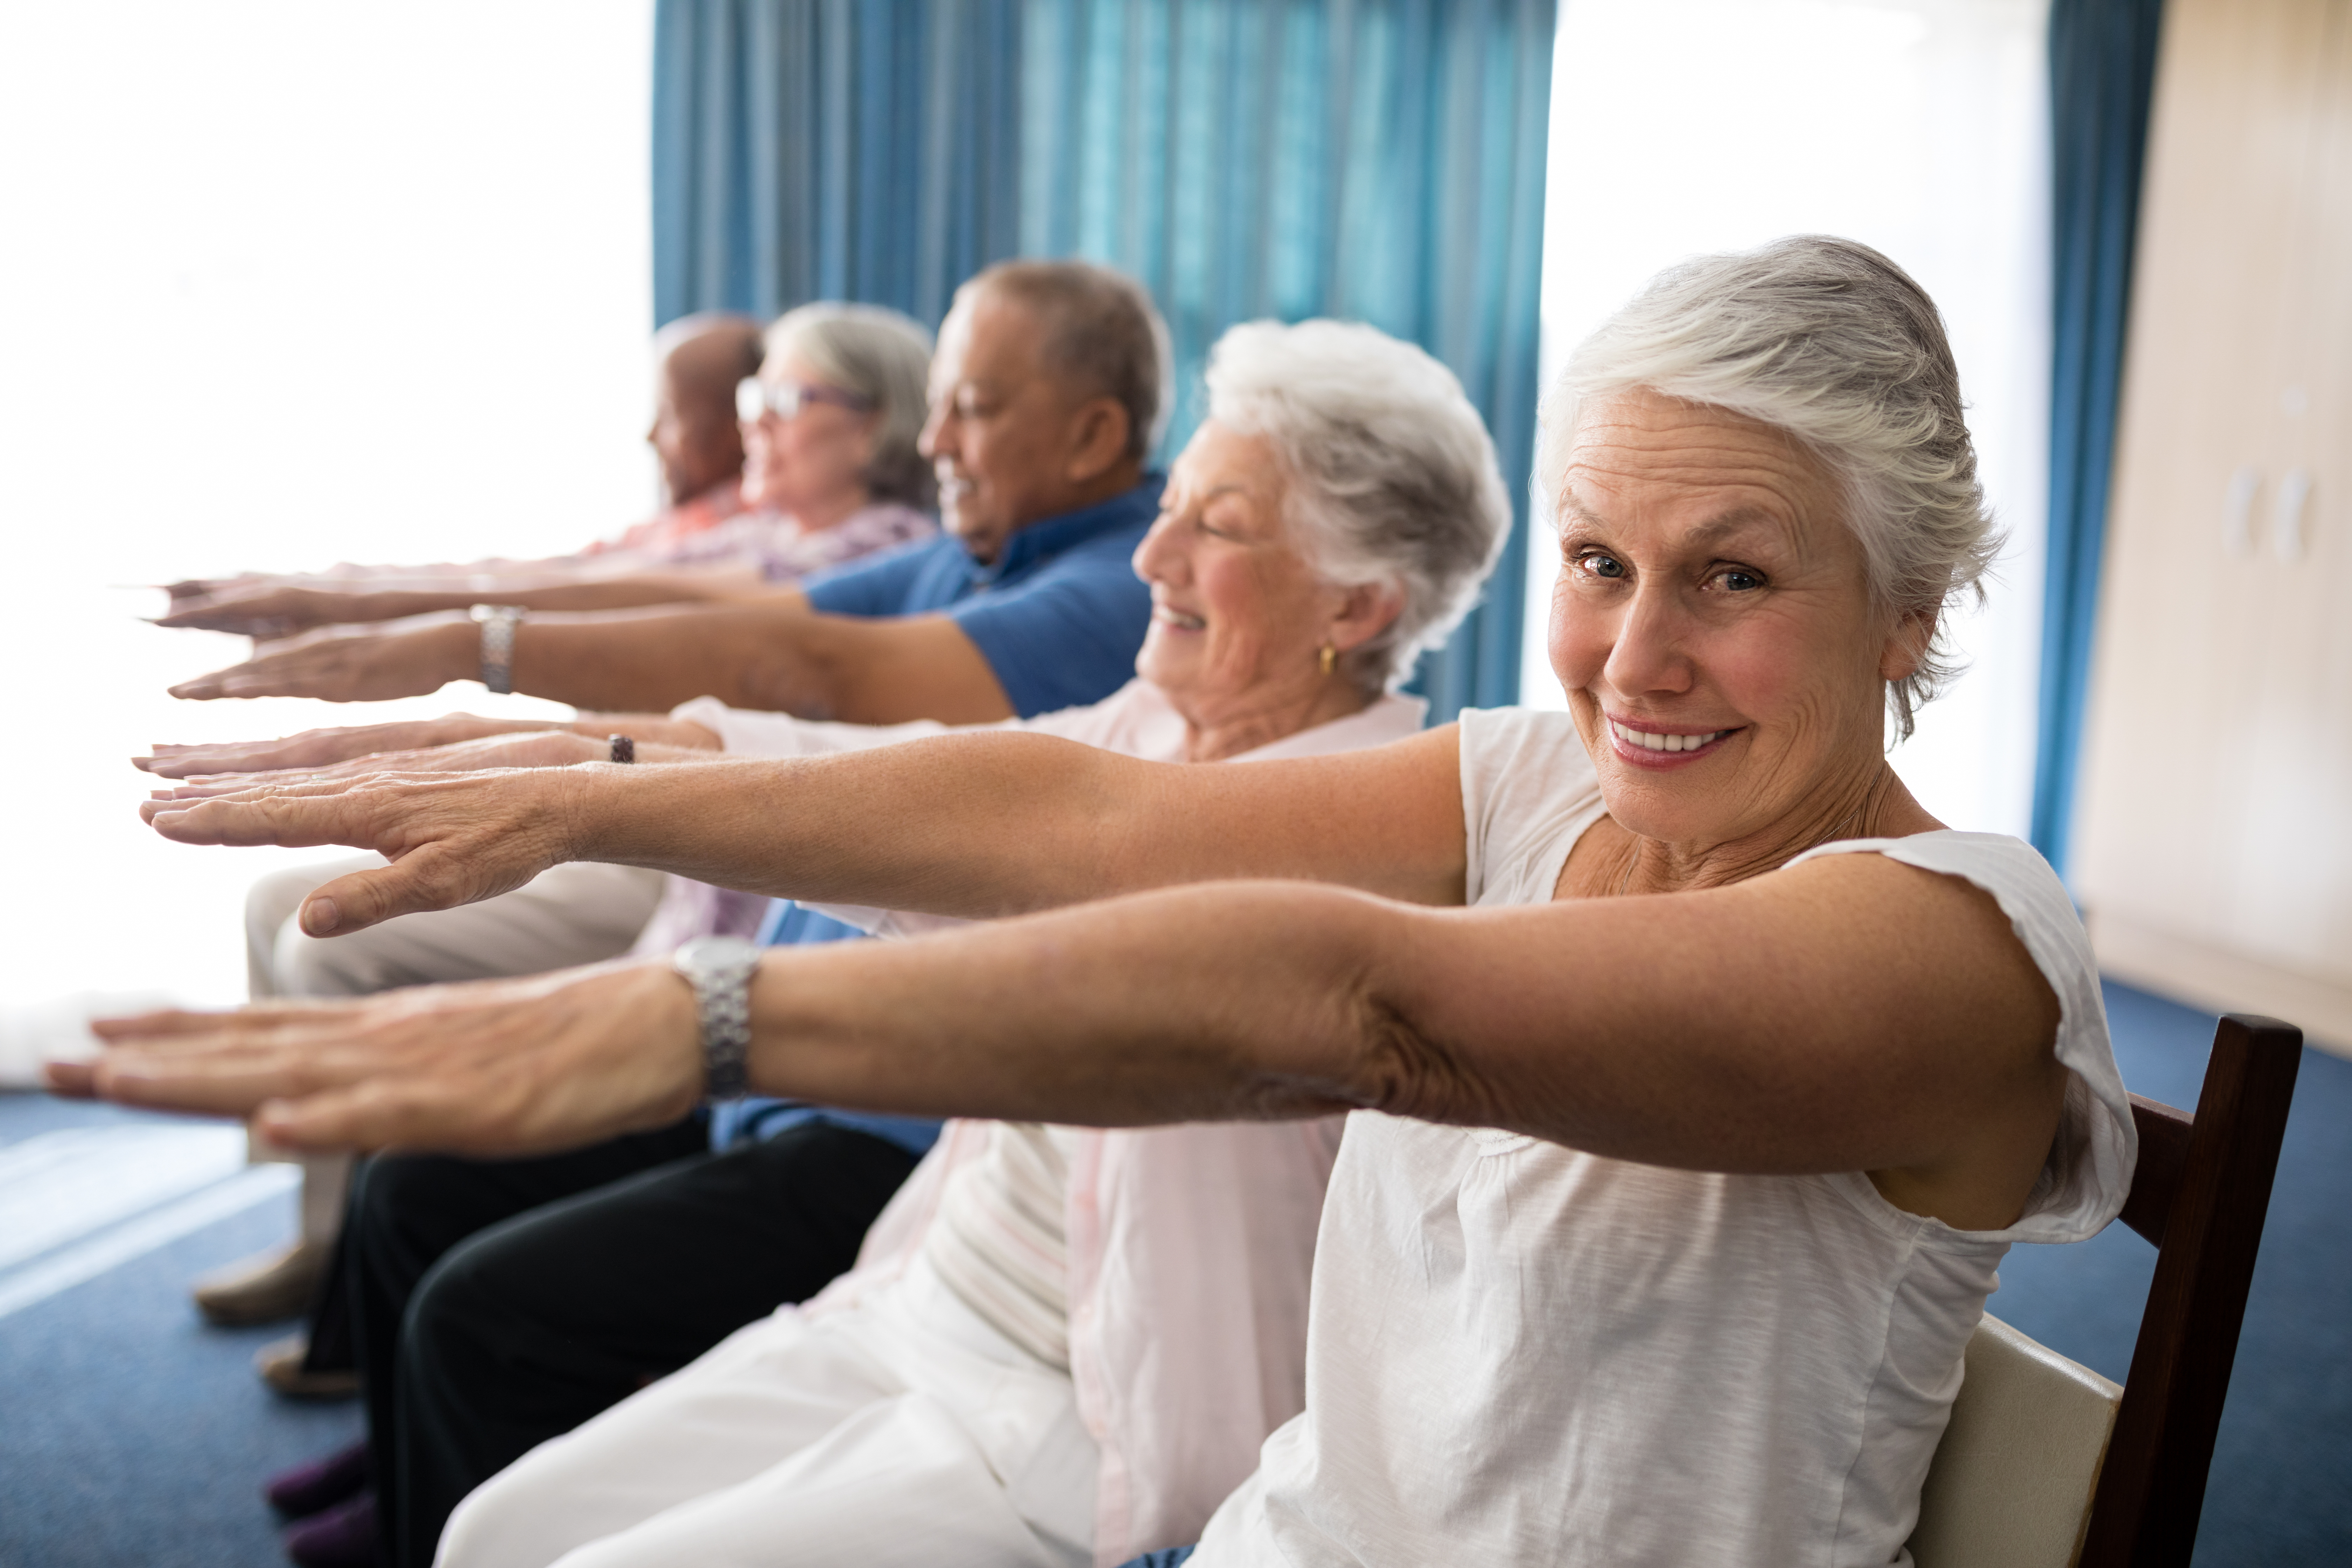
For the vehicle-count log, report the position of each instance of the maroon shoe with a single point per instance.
(321, 1484)
(345, 1536)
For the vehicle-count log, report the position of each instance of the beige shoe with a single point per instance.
(279, 1363)
(267, 1288)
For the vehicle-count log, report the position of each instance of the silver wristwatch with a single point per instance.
(720, 968)
(497, 623)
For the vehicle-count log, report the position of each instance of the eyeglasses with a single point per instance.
(755, 399)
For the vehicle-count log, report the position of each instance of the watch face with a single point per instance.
(715, 955)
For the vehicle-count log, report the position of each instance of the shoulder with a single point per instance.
(2090, 1167)
(1528, 789)
(858, 586)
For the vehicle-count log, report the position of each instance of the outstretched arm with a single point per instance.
(772, 654)
(320, 749)
(976, 825)
(277, 609)
(1852, 1014)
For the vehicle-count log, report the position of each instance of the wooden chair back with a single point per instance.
(2021, 1479)
(2201, 1194)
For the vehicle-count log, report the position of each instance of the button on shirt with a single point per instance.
(1059, 615)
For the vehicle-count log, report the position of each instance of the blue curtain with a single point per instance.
(2102, 73)
(1379, 160)
(832, 150)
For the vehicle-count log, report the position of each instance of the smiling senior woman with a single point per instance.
(1687, 1152)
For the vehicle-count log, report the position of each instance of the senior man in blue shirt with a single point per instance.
(497, 1304)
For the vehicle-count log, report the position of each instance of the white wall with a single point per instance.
(1917, 126)
(281, 282)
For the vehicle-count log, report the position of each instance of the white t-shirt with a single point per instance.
(1521, 1353)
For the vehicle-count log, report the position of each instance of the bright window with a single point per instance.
(282, 283)
(1915, 126)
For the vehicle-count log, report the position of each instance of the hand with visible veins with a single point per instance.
(539, 749)
(317, 748)
(451, 838)
(267, 608)
(506, 1067)
(420, 744)
(340, 664)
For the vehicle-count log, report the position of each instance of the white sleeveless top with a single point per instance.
(1521, 1353)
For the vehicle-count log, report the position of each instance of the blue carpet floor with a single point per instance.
(132, 1435)
(129, 1434)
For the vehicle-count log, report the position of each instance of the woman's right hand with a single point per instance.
(320, 748)
(503, 1067)
(451, 839)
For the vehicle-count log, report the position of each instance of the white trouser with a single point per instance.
(567, 915)
(571, 914)
(905, 1431)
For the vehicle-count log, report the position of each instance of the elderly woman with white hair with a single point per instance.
(1683, 1156)
(1107, 1323)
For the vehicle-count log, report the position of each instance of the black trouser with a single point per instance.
(531, 1322)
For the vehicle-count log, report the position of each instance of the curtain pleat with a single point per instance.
(2101, 76)
(1376, 160)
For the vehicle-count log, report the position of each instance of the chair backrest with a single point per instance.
(2020, 1477)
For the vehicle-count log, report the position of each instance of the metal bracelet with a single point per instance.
(497, 623)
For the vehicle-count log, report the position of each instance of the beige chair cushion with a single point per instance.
(2010, 1484)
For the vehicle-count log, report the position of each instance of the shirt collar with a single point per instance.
(1042, 541)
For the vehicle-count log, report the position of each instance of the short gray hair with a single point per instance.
(1101, 329)
(1392, 475)
(879, 354)
(1829, 340)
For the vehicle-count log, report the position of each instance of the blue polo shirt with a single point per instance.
(1058, 615)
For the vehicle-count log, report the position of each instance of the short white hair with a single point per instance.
(1827, 340)
(884, 357)
(1392, 477)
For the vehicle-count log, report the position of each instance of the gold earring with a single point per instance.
(1327, 658)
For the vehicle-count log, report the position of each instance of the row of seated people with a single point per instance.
(1582, 1136)
(781, 455)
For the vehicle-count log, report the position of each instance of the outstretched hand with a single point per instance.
(343, 664)
(264, 608)
(537, 749)
(505, 1067)
(451, 839)
(319, 748)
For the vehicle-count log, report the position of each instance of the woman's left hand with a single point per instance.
(507, 1067)
(534, 749)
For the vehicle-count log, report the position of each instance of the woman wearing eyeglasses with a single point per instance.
(830, 468)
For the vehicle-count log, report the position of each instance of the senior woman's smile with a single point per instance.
(1251, 633)
(1713, 624)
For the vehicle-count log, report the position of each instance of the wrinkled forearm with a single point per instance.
(1241, 1002)
(979, 824)
(652, 661)
(888, 827)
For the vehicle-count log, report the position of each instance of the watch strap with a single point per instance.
(719, 969)
(498, 623)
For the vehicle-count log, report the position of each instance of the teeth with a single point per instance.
(1649, 740)
(1178, 618)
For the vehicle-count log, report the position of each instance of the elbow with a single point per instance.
(1403, 1069)
(1402, 1062)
